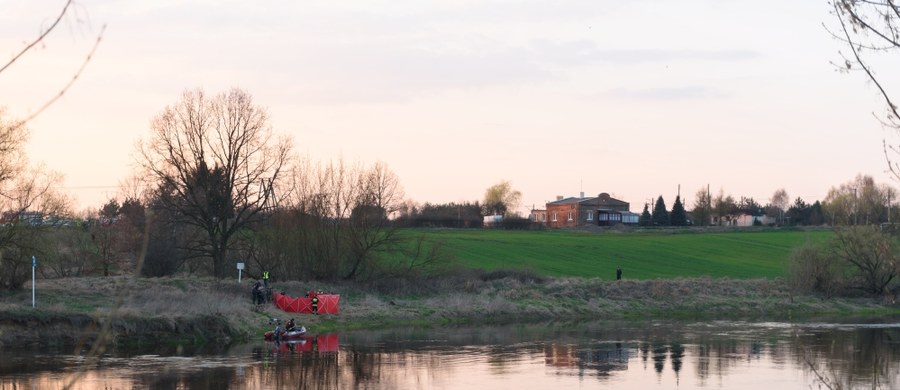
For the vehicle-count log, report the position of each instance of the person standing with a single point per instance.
(618, 273)
(257, 293)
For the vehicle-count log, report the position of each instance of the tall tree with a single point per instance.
(723, 205)
(798, 213)
(27, 194)
(779, 203)
(379, 196)
(219, 161)
(702, 207)
(660, 215)
(501, 199)
(678, 217)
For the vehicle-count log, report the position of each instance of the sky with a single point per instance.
(636, 99)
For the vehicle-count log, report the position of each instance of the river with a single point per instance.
(846, 354)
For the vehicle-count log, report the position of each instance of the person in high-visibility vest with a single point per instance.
(265, 277)
(315, 301)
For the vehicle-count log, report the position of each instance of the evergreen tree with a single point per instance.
(660, 215)
(646, 218)
(678, 216)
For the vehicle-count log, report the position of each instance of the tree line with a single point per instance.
(215, 187)
(860, 201)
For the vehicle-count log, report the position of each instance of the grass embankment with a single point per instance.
(721, 275)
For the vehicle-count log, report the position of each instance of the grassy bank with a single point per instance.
(193, 311)
(504, 276)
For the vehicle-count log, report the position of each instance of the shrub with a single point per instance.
(858, 258)
(812, 269)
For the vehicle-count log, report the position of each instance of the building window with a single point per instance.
(590, 216)
(570, 215)
(554, 216)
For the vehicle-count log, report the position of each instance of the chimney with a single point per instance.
(582, 194)
(559, 197)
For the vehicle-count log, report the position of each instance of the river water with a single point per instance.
(855, 354)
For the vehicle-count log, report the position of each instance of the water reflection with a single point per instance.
(626, 355)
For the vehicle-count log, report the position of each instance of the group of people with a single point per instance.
(260, 288)
(281, 330)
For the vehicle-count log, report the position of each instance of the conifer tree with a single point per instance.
(660, 215)
(646, 218)
(678, 217)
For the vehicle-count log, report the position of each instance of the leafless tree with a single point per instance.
(779, 204)
(702, 207)
(25, 200)
(218, 162)
(871, 29)
(337, 225)
(378, 196)
(722, 206)
(27, 195)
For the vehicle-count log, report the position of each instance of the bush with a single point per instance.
(858, 258)
(812, 269)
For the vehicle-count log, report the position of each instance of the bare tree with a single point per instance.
(702, 207)
(723, 205)
(219, 162)
(337, 225)
(26, 200)
(27, 194)
(871, 29)
(874, 256)
(379, 195)
(780, 201)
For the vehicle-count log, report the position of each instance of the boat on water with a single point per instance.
(283, 335)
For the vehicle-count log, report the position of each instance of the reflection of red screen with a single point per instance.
(320, 343)
(327, 342)
(328, 303)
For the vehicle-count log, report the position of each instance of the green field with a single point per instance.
(750, 254)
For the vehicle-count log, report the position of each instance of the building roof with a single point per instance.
(568, 200)
(601, 201)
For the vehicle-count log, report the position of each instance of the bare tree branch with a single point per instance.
(40, 37)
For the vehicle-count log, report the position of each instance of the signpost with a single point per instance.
(33, 266)
(240, 269)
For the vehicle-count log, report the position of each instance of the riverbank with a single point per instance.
(128, 311)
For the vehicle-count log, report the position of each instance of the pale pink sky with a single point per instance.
(630, 98)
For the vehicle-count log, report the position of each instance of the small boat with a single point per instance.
(296, 334)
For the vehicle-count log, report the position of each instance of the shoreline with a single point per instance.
(135, 312)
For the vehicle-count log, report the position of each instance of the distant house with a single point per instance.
(493, 220)
(601, 210)
(744, 217)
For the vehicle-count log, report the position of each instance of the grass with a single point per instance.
(509, 276)
(560, 253)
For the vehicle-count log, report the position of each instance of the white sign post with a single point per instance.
(240, 269)
(33, 266)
